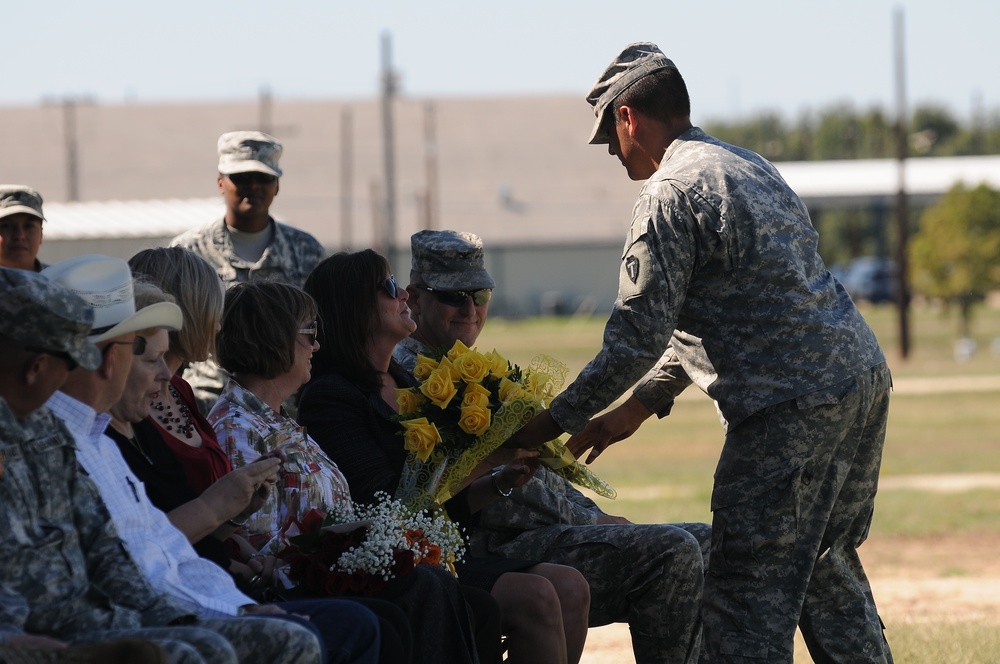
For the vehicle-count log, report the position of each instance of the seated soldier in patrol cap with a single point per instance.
(649, 575)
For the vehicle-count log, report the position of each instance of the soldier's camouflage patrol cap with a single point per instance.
(450, 260)
(19, 199)
(636, 61)
(249, 152)
(44, 315)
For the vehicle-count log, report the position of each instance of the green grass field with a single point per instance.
(664, 472)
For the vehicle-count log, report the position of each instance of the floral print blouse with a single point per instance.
(248, 428)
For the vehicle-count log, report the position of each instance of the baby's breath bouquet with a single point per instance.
(358, 549)
(466, 406)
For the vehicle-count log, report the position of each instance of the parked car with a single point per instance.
(870, 279)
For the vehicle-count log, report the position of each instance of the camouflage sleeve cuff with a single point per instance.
(656, 401)
(567, 417)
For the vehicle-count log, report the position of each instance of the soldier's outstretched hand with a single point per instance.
(605, 430)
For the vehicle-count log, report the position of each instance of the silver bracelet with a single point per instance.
(235, 524)
(496, 485)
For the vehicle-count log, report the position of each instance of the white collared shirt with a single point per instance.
(160, 550)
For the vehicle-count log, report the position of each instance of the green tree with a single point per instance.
(956, 253)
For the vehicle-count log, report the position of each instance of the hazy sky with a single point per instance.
(738, 57)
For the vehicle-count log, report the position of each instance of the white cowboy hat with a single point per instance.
(105, 283)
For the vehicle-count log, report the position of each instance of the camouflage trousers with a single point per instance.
(244, 640)
(649, 575)
(793, 499)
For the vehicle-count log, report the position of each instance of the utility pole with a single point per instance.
(902, 213)
(430, 167)
(346, 173)
(265, 110)
(69, 106)
(388, 92)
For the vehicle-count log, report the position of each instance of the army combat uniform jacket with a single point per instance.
(721, 285)
(65, 571)
(289, 257)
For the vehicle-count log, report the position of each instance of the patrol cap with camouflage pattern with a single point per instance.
(635, 62)
(19, 199)
(450, 260)
(43, 314)
(249, 152)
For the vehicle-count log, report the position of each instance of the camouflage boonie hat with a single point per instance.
(249, 152)
(633, 63)
(450, 260)
(19, 199)
(44, 315)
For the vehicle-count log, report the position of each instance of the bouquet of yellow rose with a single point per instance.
(466, 406)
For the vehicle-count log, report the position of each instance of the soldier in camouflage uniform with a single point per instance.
(162, 553)
(649, 575)
(20, 227)
(65, 575)
(721, 285)
(247, 243)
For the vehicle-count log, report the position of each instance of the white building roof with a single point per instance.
(128, 219)
(864, 182)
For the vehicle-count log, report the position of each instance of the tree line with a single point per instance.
(843, 132)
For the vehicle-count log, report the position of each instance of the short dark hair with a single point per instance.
(345, 287)
(662, 95)
(260, 325)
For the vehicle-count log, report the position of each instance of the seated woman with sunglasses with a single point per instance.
(268, 337)
(349, 406)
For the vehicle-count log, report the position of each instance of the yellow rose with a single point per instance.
(476, 395)
(408, 400)
(439, 387)
(457, 350)
(509, 390)
(474, 420)
(498, 363)
(472, 366)
(420, 437)
(447, 365)
(425, 366)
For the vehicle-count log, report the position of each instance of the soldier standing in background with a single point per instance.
(721, 285)
(20, 227)
(247, 243)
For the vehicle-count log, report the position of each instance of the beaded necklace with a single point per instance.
(181, 424)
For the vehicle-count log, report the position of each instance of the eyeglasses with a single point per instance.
(456, 298)
(61, 354)
(243, 179)
(312, 332)
(138, 345)
(391, 286)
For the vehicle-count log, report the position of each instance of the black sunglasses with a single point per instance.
(456, 298)
(61, 354)
(312, 332)
(243, 179)
(391, 286)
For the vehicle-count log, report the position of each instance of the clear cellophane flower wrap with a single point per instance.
(466, 406)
